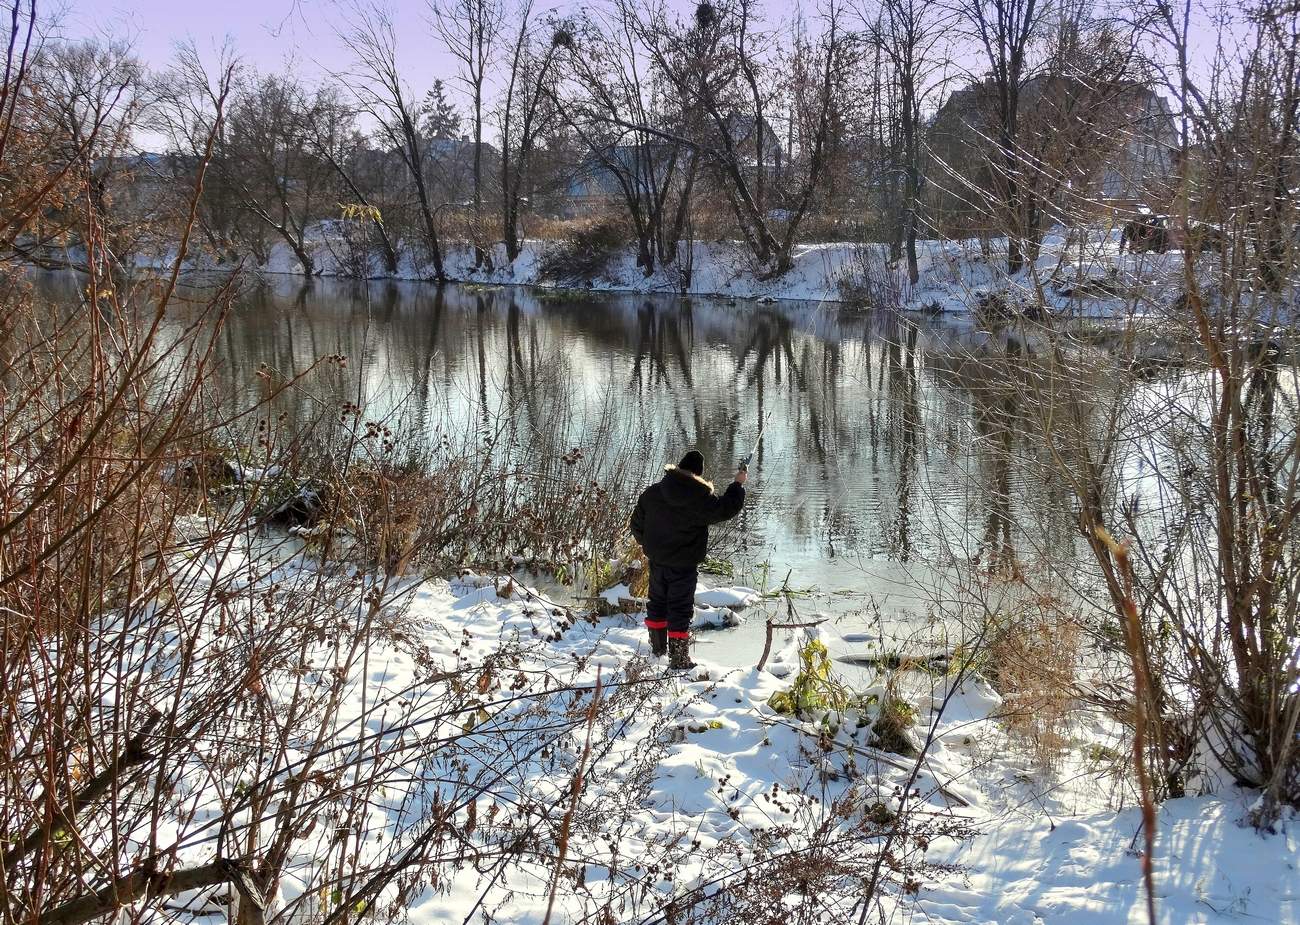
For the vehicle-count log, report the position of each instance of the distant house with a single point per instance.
(599, 181)
(1113, 145)
(592, 187)
(750, 144)
(1148, 154)
(450, 167)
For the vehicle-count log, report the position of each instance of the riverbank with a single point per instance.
(1042, 846)
(1083, 273)
(689, 792)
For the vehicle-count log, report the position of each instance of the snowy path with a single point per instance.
(724, 751)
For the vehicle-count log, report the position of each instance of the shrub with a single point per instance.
(585, 254)
(814, 687)
(872, 280)
(1032, 658)
(895, 718)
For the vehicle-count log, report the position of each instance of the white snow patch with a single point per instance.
(699, 761)
(735, 597)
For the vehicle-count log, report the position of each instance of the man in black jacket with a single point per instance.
(671, 522)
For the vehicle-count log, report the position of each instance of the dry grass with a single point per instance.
(586, 251)
(1033, 657)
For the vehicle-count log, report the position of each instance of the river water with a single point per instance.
(885, 464)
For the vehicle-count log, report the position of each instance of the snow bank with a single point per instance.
(715, 618)
(705, 763)
(1041, 855)
(735, 597)
(1083, 870)
(715, 608)
(1082, 272)
(1043, 852)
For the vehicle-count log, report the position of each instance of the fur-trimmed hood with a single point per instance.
(687, 474)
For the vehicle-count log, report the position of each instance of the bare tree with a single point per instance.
(267, 156)
(1093, 102)
(185, 113)
(636, 142)
(470, 29)
(1264, 142)
(721, 65)
(336, 142)
(1004, 31)
(71, 105)
(908, 34)
(1186, 488)
(526, 111)
(382, 95)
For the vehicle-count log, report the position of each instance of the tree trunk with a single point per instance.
(414, 163)
(479, 256)
(913, 271)
(683, 210)
(308, 265)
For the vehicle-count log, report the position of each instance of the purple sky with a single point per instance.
(273, 34)
(266, 33)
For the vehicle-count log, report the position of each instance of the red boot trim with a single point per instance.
(677, 634)
(656, 624)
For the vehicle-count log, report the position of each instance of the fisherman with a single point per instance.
(671, 522)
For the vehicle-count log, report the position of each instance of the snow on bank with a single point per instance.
(1031, 861)
(1082, 272)
(702, 776)
(1039, 856)
(1083, 870)
(715, 608)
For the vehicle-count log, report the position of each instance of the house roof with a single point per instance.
(456, 149)
(741, 128)
(146, 163)
(597, 174)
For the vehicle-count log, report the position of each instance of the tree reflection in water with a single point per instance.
(887, 438)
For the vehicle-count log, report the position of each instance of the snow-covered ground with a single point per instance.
(1083, 272)
(693, 778)
(1045, 850)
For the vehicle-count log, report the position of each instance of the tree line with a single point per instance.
(886, 121)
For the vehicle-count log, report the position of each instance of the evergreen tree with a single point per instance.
(438, 115)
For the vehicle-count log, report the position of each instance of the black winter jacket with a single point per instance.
(672, 517)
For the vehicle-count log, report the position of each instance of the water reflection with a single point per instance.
(889, 448)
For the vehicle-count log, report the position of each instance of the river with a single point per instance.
(885, 466)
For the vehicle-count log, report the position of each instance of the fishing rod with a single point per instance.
(744, 463)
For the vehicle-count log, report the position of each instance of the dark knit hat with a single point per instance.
(692, 462)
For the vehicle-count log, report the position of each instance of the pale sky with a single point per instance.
(267, 34)
(271, 35)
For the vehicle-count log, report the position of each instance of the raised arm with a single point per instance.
(729, 504)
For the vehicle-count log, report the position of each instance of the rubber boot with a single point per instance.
(679, 654)
(658, 642)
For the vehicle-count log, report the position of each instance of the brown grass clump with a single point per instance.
(896, 717)
(635, 568)
(582, 256)
(1033, 657)
(408, 504)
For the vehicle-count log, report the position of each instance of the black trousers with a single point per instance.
(672, 599)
